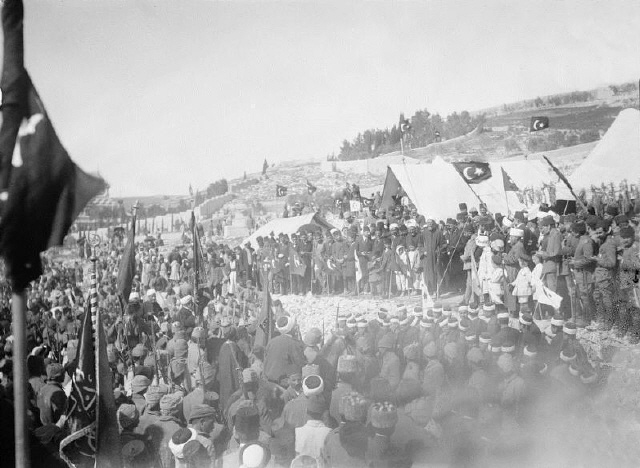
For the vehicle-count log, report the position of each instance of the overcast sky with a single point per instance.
(161, 94)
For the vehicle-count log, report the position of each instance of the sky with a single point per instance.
(158, 95)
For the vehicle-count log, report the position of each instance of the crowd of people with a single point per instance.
(589, 261)
(214, 376)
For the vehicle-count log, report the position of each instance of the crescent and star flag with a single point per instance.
(127, 269)
(48, 191)
(281, 191)
(538, 123)
(509, 184)
(311, 188)
(367, 202)
(404, 125)
(473, 172)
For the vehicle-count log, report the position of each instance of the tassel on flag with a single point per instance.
(509, 184)
(281, 191)
(538, 123)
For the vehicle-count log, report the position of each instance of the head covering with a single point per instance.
(139, 384)
(201, 412)
(186, 300)
(383, 415)
(285, 324)
(569, 328)
(246, 419)
(55, 371)
(474, 355)
(386, 342)
(155, 393)
(313, 337)
(128, 416)
(347, 364)
(353, 407)
(170, 403)
(138, 350)
(312, 385)
(505, 363)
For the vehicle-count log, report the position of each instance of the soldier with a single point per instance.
(381, 452)
(389, 361)
(583, 267)
(139, 386)
(52, 400)
(346, 445)
(604, 274)
(135, 449)
(347, 373)
(628, 288)
(284, 355)
(169, 422)
(203, 392)
(310, 438)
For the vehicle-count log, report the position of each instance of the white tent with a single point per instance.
(436, 189)
(615, 158)
(286, 226)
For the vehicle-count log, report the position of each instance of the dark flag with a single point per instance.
(562, 177)
(94, 438)
(127, 269)
(198, 256)
(367, 202)
(405, 125)
(264, 319)
(48, 191)
(538, 123)
(473, 172)
(509, 184)
(281, 191)
(311, 188)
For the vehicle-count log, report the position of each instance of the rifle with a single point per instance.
(155, 354)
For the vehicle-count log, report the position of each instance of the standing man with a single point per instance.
(551, 252)
(364, 248)
(434, 242)
(606, 262)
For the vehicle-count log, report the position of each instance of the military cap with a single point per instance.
(128, 416)
(138, 350)
(139, 384)
(201, 412)
(170, 402)
(383, 415)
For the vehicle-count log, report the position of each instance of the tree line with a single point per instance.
(426, 128)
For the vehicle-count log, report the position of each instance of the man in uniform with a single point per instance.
(583, 266)
(604, 274)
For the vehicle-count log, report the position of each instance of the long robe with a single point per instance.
(434, 242)
(230, 359)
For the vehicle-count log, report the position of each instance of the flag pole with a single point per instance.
(19, 312)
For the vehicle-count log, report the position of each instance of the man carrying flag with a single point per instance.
(281, 191)
(311, 188)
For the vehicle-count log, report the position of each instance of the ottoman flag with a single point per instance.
(48, 191)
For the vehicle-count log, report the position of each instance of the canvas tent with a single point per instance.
(614, 159)
(437, 188)
(287, 226)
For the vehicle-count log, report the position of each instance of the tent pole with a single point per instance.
(18, 312)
